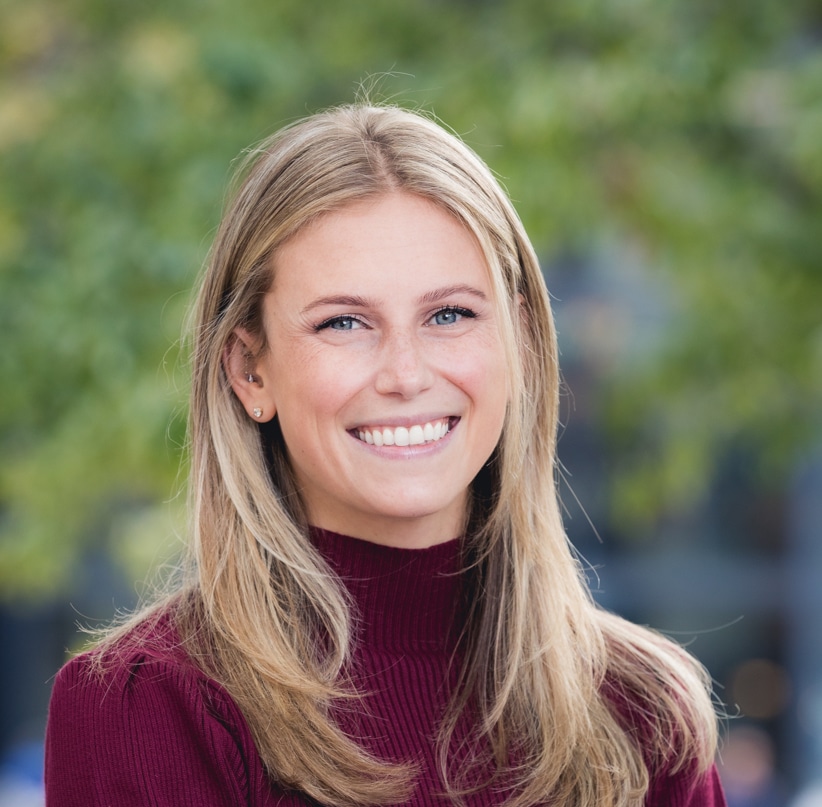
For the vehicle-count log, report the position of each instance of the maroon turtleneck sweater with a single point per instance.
(156, 731)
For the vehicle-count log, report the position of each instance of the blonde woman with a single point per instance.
(382, 607)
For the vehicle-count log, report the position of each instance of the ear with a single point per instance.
(241, 362)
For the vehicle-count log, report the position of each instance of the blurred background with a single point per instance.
(666, 157)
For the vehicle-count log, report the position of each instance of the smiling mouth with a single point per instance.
(416, 435)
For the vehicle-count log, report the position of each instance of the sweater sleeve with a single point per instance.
(146, 733)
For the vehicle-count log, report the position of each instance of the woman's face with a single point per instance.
(385, 367)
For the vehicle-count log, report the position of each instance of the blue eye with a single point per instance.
(451, 315)
(343, 323)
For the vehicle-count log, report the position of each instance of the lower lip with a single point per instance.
(404, 452)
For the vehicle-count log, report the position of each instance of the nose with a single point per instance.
(404, 368)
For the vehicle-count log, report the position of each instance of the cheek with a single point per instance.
(313, 385)
(483, 376)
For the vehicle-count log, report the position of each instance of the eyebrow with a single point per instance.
(434, 296)
(440, 294)
(347, 300)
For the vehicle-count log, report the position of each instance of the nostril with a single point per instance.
(404, 369)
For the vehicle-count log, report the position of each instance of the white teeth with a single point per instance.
(416, 435)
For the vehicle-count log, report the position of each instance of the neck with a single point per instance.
(400, 595)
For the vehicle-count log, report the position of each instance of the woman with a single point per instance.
(382, 606)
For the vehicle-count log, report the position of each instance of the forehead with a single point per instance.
(397, 240)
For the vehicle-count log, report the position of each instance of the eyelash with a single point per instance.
(454, 309)
(328, 323)
(446, 309)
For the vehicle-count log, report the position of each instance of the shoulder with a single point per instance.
(137, 716)
(676, 749)
(686, 788)
(146, 669)
(658, 692)
(148, 662)
(152, 641)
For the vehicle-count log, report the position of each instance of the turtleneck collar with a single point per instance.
(402, 597)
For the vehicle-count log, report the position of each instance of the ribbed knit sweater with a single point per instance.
(156, 731)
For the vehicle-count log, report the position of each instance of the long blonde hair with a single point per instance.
(563, 688)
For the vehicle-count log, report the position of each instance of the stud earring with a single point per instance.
(258, 413)
(250, 378)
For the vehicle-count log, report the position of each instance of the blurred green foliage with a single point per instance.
(685, 134)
